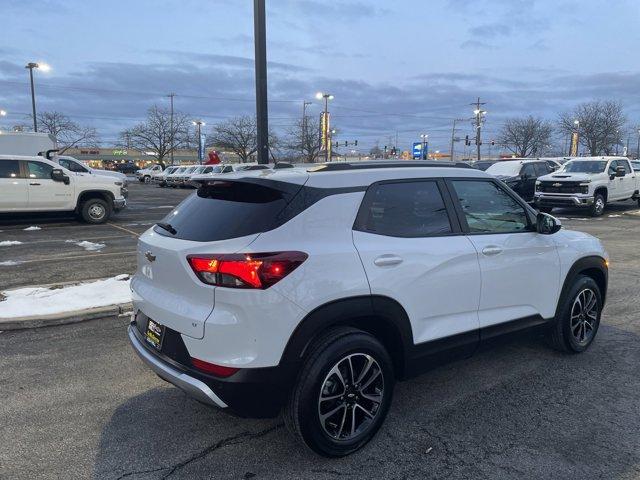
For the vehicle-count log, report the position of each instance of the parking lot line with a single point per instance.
(124, 229)
(77, 257)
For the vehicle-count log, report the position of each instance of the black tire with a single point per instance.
(546, 209)
(95, 211)
(566, 333)
(146, 179)
(599, 203)
(335, 350)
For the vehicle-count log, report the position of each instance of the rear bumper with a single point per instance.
(549, 200)
(192, 386)
(250, 392)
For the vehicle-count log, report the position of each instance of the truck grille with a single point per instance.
(564, 187)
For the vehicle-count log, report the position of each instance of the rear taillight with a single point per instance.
(213, 369)
(255, 270)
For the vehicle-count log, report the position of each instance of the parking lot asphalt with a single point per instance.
(52, 254)
(75, 401)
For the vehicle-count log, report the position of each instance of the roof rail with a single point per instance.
(339, 166)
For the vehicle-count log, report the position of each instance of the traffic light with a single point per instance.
(346, 143)
(466, 140)
(356, 143)
(493, 143)
(337, 144)
(385, 149)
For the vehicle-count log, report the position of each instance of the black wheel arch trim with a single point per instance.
(582, 266)
(377, 314)
(106, 195)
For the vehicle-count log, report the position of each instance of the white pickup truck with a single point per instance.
(146, 174)
(589, 182)
(36, 184)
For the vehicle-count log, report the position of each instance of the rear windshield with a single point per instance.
(225, 210)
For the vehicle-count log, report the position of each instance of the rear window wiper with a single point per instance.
(167, 227)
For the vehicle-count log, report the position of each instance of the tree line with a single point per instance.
(601, 127)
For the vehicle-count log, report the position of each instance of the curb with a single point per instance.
(20, 323)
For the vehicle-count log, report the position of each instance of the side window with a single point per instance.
(488, 208)
(541, 169)
(528, 170)
(39, 170)
(406, 209)
(72, 166)
(9, 169)
(612, 167)
(207, 170)
(625, 164)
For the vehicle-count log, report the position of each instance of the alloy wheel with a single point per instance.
(599, 205)
(351, 396)
(584, 316)
(96, 211)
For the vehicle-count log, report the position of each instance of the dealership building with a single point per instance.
(109, 157)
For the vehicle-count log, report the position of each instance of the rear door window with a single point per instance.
(9, 169)
(404, 209)
(222, 210)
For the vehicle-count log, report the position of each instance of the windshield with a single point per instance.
(508, 169)
(582, 166)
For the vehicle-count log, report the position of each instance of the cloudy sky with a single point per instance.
(408, 66)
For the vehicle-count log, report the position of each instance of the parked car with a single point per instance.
(37, 184)
(482, 164)
(76, 166)
(182, 179)
(520, 175)
(172, 178)
(145, 174)
(635, 164)
(588, 182)
(126, 167)
(160, 178)
(315, 290)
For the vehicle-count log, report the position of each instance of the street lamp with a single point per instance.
(199, 124)
(425, 145)
(3, 113)
(325, 124)
(45, 68)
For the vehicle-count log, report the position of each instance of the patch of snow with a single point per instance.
(31, 228)
(10, 263)
(46, 301)
(164, 206)
(88, 246)
(8, 243)
(614, 216)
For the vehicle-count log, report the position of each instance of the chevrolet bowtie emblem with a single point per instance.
(557, 184)
(150, 256)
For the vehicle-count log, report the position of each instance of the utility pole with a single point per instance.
(303, 138)
(262, 112)
(453, 135)
(479, 113)
(638, 151)
(171, 133)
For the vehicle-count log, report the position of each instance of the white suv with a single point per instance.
(36, 184)
(315, 290)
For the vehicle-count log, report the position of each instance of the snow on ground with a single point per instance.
(88, 246)
(31, 228)
(8, 243)
(10, 263)
(32, 301)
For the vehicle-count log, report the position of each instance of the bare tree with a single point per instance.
(68, 133)
(600, 127)
(525, 136)
(304, 139)
(376, 151)
(155, 134)
(239, 134)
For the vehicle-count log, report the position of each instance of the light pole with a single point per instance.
(262, 109)
(425, 146)
(3, 113)
(45, 68)
(573, 149)
(171, 133)
(638, 151)
(199, 124)
(303, 138)
(479, 118)
(617, 140)
(325, 124)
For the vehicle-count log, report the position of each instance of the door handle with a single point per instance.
(387, 260)
(491, 250)
(34, 183)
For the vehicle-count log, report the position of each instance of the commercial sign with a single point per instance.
(418, 154)
(573, 151)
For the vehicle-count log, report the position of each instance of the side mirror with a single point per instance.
(547, 224)
(57, 175)
(620, 172)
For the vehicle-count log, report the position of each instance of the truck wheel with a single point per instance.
(342, 394)
(147, 179)
(546, 209)
(597, 208)
(579, 316)
(95, 211)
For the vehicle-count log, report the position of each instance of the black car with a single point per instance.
(126, 168)
(483, 164)
(520, 175)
